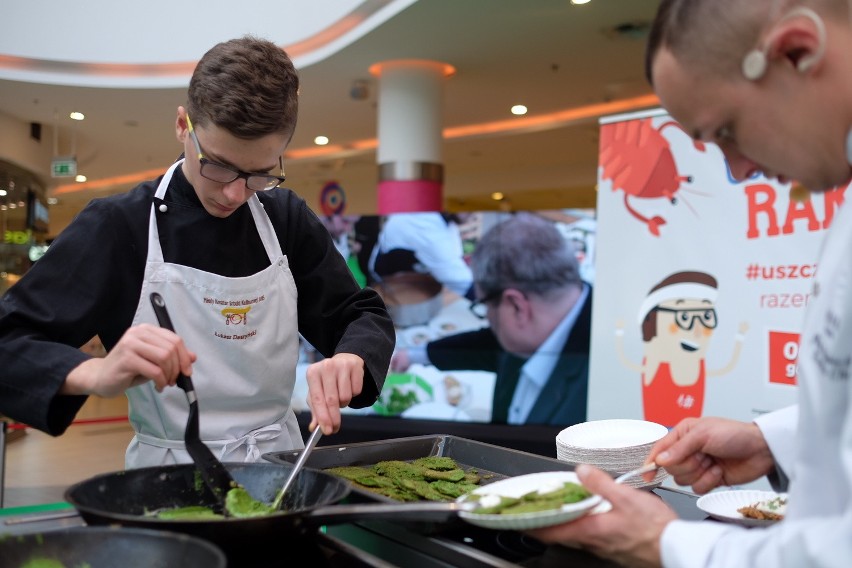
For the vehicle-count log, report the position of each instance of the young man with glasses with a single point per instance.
(243, 265)
(768, 81)
(527, 279)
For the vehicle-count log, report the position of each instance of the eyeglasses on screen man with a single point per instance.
(479, 307)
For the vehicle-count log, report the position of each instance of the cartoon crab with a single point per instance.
(638, 160)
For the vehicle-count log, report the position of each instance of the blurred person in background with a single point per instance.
(529, 289)
(768, 81)
(341, 228)
(427, 243)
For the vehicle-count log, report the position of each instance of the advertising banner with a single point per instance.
(701, 280)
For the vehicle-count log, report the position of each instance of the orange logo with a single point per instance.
(236, 316)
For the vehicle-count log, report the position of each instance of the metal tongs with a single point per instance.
(638, 471)
(300, 462)
(213, 472)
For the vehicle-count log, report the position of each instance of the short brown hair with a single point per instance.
(248, 86)
(715, 35)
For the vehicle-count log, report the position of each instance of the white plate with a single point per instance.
(441, 327)
(521, 485)
(417, 335)
(723, 505)
(611, 434)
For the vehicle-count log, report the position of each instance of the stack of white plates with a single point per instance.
(615, 446)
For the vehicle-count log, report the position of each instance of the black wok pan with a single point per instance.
(128, 497)
(108, 547)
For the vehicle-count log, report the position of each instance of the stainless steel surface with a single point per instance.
(40, 517)
(417, 511)
(300, 463)
(492, 462)
(26, 523)
(407, 171)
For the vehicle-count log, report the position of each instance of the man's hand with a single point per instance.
(400, 361)
(332, 383)
(709, 452)
(144, 353)
(629, 533)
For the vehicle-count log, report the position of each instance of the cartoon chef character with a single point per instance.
(677, 319)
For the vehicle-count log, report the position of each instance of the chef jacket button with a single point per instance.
(280, 262)
(163, 208)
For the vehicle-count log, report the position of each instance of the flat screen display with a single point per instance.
(420, 263)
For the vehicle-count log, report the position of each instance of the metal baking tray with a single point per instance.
(492, 462)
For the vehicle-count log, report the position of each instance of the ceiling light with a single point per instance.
(580, 1)
(519, 110)
(77, 116)
(3, 192)
(497, 196)
(80, 178)
(52, 201)
(321, 140)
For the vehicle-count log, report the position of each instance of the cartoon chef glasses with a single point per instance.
(685, 318)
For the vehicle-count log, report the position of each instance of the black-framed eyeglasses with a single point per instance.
(479, 307)
(685, 318)
(220, 173)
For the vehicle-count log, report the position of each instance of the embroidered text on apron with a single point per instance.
(245, 334)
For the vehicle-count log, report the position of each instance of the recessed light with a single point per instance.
(519, 110)
(321, 140)
(497, 196)
(580, 1)
(77, 116)
(80, 178)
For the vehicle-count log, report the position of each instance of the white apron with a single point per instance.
(245, 333)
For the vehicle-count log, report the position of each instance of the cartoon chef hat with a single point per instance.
(675, 287)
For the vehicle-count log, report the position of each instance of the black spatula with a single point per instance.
(215, 476)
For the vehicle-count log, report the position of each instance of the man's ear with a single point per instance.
(519, 303)
(798, 37)
(181, 128)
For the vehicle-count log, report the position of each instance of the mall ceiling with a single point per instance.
(569, 64)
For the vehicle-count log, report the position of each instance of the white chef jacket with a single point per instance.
(816, 456)
(436, 244)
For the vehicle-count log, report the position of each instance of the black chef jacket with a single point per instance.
(90, 279)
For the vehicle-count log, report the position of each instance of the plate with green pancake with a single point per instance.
(530, 501)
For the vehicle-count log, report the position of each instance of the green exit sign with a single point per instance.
(63, 167)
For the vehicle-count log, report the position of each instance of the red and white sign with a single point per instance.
(701, 280)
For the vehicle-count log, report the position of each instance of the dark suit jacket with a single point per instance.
(563, 399)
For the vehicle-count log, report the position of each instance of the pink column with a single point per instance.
(411, 170)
